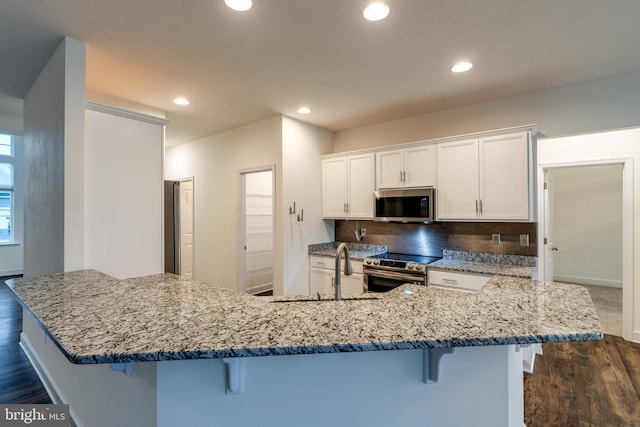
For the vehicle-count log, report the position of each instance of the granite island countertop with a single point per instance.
(95, 318)
(484, 263)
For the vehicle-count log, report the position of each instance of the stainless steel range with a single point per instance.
(387, 271)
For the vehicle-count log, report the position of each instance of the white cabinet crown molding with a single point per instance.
(115, 111)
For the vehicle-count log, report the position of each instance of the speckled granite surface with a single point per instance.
(95, 318)
(485, 263)
(357, 251)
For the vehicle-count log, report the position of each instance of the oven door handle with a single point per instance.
(410, 278)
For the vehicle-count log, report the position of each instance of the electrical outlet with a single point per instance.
(495, 238)
(524, 240)
(363, 232)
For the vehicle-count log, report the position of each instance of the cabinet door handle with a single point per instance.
(480, 206)
(476, 206)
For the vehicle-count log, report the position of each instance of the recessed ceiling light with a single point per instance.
(376, 11)
(239, 5)
(181, 101)
(304, 110)
(461, 67)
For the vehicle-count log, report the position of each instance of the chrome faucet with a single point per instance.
(348, 271)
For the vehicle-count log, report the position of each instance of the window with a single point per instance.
(6, 187)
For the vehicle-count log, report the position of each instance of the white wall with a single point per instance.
(594, 105)
(53, 156)
(214, 162)
(12, 255)
(74, 155)
(302, 146)
(123, 195)
(588, 214)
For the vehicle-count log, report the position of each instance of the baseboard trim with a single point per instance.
(11, 272)
(261, 288)
(587, 281)
(56, 396)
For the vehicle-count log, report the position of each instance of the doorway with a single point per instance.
(179, 227)
(584, 223)
(546, 250)
(256, 228)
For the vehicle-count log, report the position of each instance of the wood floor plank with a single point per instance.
(630, 355)
(616, 384)
(593, 404)
(593, 379)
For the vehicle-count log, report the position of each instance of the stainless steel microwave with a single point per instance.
(405, 205)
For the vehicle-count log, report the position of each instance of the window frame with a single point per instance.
(11, 159)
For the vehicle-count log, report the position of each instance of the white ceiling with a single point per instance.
(240, 67)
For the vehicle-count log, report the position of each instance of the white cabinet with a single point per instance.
(504, 177)
(457, 192)
(321, 277)
(466, 282)
(486, 178)
(408, 167)
(347, 186)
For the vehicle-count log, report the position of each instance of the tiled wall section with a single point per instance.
(432, 239)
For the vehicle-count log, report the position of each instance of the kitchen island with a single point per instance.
(223, 358)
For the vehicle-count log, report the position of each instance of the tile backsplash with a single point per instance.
(432, 239)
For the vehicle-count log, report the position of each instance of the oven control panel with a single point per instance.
(396, 265)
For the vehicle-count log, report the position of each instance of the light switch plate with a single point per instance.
(495, 238)
(524, 240)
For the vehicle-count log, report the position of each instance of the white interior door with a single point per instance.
(186, 228)
(549, 248)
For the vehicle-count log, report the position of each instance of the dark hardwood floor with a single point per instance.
(574, 384)
(18, 381)
(585, 384)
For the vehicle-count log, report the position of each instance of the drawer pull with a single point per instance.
(451, 281)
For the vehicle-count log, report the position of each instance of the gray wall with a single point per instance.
(606, 103)
(587, 222)
(48, 113)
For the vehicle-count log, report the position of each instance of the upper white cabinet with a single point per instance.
(347, 186)
(457, 192)
(486, 178)
(407, 167)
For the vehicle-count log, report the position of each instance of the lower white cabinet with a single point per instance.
(321, 276)
(457, 281)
